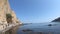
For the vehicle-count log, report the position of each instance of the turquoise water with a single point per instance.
(40, 27)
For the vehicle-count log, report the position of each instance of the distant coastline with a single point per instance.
(56, 20)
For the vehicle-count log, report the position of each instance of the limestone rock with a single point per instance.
(5, 9)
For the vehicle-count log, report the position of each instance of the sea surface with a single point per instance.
(36, 28)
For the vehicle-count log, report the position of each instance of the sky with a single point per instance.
(36, 11)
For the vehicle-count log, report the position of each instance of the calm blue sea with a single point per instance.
(40, 27)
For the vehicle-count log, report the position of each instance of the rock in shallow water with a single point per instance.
(50, 25)
(26, 30)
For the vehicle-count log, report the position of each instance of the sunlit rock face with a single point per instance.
(5, 9)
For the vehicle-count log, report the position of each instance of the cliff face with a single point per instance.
(7, 16)
(5, 9)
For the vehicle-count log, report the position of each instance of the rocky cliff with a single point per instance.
(7, 16)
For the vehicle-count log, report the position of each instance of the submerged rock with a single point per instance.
(27, 30)
(50, 25)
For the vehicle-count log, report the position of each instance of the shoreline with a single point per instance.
(9, 27)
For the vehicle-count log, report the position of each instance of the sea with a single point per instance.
(36, 28)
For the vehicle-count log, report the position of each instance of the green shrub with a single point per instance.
(9, 18)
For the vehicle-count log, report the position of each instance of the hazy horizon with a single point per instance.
(36, 10)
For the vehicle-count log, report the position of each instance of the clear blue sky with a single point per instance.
(36, 10)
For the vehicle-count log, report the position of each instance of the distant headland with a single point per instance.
(56, 20)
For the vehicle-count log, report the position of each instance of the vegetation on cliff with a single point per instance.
(9, 18)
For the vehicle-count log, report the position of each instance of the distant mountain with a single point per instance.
(56, 20)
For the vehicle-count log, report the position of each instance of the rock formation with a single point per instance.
(6, 10)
